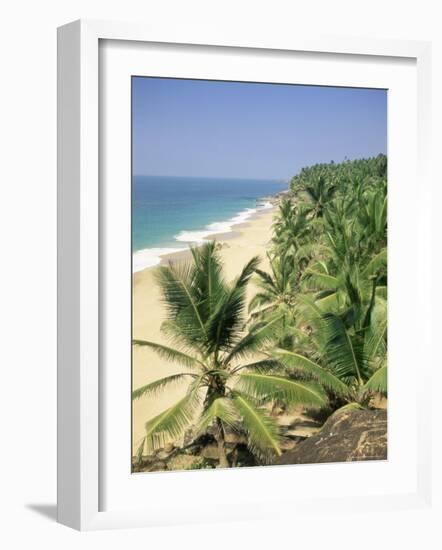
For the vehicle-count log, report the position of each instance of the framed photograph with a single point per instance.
(238, 276)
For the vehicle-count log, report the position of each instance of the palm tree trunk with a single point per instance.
(222, 457)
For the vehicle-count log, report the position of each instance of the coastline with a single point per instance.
(221, 238)
(248, 239)
(222, 230)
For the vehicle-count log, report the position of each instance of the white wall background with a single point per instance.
(28, 254)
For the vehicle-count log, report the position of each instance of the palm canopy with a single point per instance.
(291, 226)
(229, 383)
(277, 288)
(317, 193)
(349, 365)
(338, 334)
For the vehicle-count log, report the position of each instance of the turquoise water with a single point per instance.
(169, 213)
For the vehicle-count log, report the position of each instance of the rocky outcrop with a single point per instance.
(347, 436)
(184, 462)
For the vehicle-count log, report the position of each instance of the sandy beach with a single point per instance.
(248, 240)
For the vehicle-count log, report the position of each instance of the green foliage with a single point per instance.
(262, 430)
(378, 381)
(315, 332)
(336, 330)
(207, 321)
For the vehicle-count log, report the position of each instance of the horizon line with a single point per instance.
(212, 177)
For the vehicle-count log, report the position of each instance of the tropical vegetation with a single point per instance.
(314, 334)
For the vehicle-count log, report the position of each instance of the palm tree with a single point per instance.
(276, 289)
(290, 227)
(339, 302)
(318, 193)
(276, 296)
(350, 365)
(229, 385)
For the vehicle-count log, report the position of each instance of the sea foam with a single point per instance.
(217, 228)
(149, 257)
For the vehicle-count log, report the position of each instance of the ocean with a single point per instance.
(170, 213)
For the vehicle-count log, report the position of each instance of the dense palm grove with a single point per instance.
(314, 333)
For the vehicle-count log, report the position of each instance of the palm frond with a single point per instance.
(343, 352)
(376, 339)
(378, 381)
(264, 365)
(260, 299)
(312, 250)
(227, 320)
(320, 280)
(381, 292)
(266, 278)
(328, 303)
(140, 449)
(221, 408)
(267, 387)
(171, 355)
(264, 312)
(376, 263)
(300, 364)
(262, 431)
(176, 283)
(157, 386)
(208, 280)
(171, 423)
(261, 334)
(228, 316)
(247, 271)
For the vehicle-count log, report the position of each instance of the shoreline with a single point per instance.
(219, 237)
(237, 247)
(234, 231)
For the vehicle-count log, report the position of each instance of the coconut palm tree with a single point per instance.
(290, 227)
(339, 302)
(276, 296)
(317, 194)
(346, 315)
(351, 366)
(229, 383)
(277, 288)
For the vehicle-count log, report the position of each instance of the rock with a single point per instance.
(164, 454)
(210, 452)
(285, 420)
(287, 444)
(235, 438)
(302, 431)
(184, 462)
(159, 466)
(378, 402)
(187, 439)
(346, 436)
(297, 420)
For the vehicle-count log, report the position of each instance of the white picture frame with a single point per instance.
(80, 445)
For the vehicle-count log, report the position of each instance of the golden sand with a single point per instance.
(250, 239)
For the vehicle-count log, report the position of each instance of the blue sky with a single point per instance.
(244, 130)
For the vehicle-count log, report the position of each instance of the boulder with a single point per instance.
(233, 438)
(347, 436)
(210, 452)
(159, 466)
(184, 462)
(302, 431)
(287, 444)
(163, 454)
